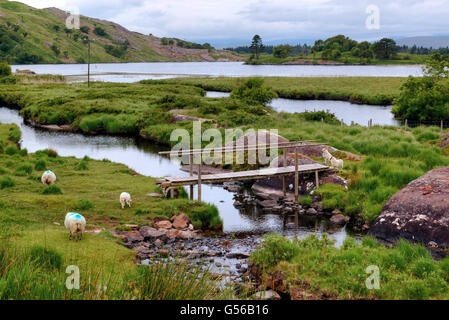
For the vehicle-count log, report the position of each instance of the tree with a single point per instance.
(85, 29)
(100, 32)
(256, 45)
(385, 48)
(5, 69)
(253, 91)
(318, 46)
(426, 98)
(282, 51)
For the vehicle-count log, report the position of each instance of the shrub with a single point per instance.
(83, 165)
(7, 182)
(14, 134)
(23, 170)
(5, 69)
(206, 218)
(45, 258)
(3, 170)
(444, 266)
(84, 204)
(11, 150)
(254, 92)
(52, 190)
(23, 152)
(306, 201)
(40, 165)
(423, 267)
(274, 249)
(52, 153)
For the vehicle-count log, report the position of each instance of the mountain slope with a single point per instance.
(426, 42)
(29, 35)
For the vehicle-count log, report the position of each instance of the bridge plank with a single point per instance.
(246, 175)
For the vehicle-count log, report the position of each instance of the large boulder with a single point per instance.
(419, 212)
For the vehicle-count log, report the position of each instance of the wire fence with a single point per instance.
(406, 124)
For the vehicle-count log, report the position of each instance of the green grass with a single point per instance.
(35, 249)
(347, 59)
(365, 90)
(406, 271)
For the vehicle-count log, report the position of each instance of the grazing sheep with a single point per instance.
(76, 225)
(125, 200)
(327, 156)
(48, 178)
(336, 163)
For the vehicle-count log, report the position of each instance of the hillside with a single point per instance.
(426, 42)
(29, 35)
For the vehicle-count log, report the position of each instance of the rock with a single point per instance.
(163, 224)
(172, 233)
(336, 211)
(158, 243)
(164, 252)
(181, 222)
(340, 219)
(186, 234)
(419, 212)
(311, 211)
(56, 223)
(237, 204)
(191, 227)
(444, 143)
(432, 244)
(133, 236)
(132, 226)
(268, 203)
(237, 255)
(151, 234)
(267, 295)
(334, 179)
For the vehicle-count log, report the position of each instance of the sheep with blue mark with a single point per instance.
(76, 224)
(48, 178)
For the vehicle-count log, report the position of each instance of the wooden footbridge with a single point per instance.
(168, 183)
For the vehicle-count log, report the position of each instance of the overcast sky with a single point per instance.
(200, 20)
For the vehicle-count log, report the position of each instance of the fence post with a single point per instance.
(342, 122)
(442, 127)
(296, 175)
(405, 125)
(191, 173)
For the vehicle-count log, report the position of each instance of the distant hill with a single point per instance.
(426, 42)
(30, 35)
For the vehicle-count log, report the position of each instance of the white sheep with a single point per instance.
(48, 178)
(125, 199)
(327, 156)
(76, 225)
(337, 163)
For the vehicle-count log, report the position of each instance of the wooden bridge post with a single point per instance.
(317, 179)
(296, 175)
(199, 179)
(284, 179)
(191, 174)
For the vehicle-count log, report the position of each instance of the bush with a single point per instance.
(254, 92)
(274, 249)
(5, 69)
(45, 258)
(306, 201)
(40, 165)
(52, 190)
(23, 152)
(11, 150)
(423, 267)
(14, 134)
(84, 204)
(206, 218)
(23, 170)
(52, 153)
(82, 166)
(7, 182)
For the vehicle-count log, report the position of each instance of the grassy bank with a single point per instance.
(346, 59)
(314, 268)
(392, 157)
(364, 90)
(35, 249)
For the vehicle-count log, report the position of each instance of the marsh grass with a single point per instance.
(407, 271)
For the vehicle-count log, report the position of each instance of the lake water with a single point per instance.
(131, 72)
(143, 158)
(348, 112)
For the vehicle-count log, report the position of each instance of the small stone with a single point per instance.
(133, 236)
(164, 252)
(56, 223)
(237, 255)
(172, 233)
(165, 224)
(132, 226)
(311, 211)
(267, 295)
(158, 243)
(340, 219)
(218, 264)
(150, 233)
(336, 211)
(181, 221)
(154, 195)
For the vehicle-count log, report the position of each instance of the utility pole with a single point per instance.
(88, 64)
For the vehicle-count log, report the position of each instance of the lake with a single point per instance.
(132, 72)
(348, 112)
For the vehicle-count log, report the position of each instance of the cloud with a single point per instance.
(272, 19)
